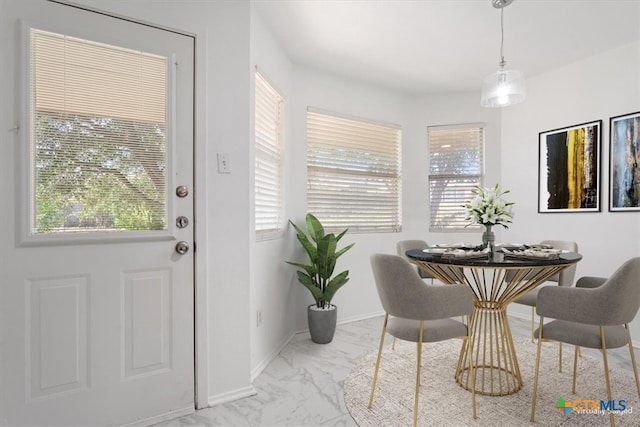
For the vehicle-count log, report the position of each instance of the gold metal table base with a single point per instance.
(493, 354)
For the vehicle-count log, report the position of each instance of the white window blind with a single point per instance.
(269, 110)
(98, 135)
(456, 165)
(353, 172)
(90, 78)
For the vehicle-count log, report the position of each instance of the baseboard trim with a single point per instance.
(361, 317)
(164, 417)
(232, 395)
(349, 320)
(255, 372)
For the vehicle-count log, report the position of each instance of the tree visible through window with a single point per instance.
(456, 166)
(98, 136)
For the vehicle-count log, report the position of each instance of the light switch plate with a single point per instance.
(223, 163)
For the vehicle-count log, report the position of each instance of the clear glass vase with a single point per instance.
(488, 239)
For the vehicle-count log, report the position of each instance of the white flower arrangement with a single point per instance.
(489, 208)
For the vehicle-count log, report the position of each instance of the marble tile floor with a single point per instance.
(302, 386)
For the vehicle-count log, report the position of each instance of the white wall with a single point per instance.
(595, 88)
(271, 289)
(438, 110)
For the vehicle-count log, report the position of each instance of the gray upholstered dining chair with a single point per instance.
(564, 278)
(594, 314)
(405, 245)
(419, 313)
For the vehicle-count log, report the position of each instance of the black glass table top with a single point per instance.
(498, 259)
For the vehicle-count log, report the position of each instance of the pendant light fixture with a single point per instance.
(504, 87)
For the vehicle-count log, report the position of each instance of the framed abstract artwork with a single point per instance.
(569, 169)
(624, 163)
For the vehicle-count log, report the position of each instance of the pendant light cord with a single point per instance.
(502, 61)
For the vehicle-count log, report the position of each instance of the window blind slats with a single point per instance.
(269, 107)
(99, 136)
(455, 167)
(85, 77)
(353, 172)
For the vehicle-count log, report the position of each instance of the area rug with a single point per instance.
(444, 403)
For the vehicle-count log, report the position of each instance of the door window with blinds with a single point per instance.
(98, 136)
(354, 173)
(269, 111)
(456, 166)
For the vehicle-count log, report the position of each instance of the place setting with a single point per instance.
(457, 250)
(509, 250)
(535, 251)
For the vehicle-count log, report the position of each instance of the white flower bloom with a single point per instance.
(489, 208)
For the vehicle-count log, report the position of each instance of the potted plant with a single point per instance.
(317, 276)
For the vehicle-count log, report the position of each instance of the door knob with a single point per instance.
(182, 247)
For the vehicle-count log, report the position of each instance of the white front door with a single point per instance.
(96, 302)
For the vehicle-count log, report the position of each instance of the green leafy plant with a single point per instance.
(321, 251)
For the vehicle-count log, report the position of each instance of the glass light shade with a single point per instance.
(503, 88)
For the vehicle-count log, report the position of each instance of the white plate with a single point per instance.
(434, 250)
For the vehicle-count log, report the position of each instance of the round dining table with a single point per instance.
(496, 279)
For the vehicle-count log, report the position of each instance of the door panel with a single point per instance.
(97, 323)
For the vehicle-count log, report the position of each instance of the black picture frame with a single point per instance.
(569, 168)
(624, 163)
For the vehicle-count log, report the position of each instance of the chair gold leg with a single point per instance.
(533, 321)
(461, 357)
(419, 360)
(633, 360)
(375, 373)
(393, 344)
(560, 357)
(606, 371)
(472, 373)
(575, 367)
(537, 370)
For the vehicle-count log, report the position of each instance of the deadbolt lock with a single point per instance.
(182, 191)
(182, 222)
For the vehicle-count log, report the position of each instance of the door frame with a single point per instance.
(201, 177)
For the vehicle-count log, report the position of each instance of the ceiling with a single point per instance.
(443, 46)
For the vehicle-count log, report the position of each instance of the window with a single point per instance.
(98, 129)
(353, 173)
(456, 165)
(269, 107)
